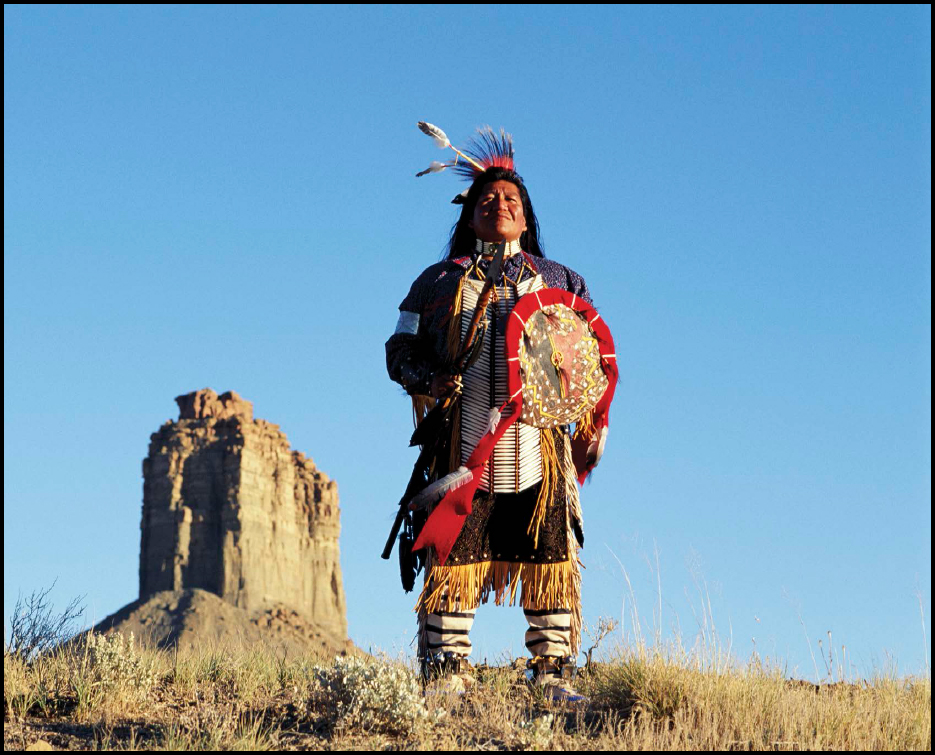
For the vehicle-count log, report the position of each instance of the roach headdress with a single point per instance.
(485, 150)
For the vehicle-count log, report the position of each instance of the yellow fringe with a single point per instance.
(585, 426)
(550, 476)
(421, 405)
(543, 585)
(572, 511)
(454, 460)
(454, 322)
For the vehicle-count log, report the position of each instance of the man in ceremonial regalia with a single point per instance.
(524, 528)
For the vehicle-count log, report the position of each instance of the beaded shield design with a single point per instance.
(560, 363)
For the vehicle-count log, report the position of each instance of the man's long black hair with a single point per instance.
(462, 241)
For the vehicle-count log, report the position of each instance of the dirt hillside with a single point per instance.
(193, 618)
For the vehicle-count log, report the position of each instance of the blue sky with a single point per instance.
(225, 197)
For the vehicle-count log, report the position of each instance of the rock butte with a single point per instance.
(230, 509)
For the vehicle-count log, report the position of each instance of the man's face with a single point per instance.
(498, 214)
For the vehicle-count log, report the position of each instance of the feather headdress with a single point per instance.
(485, 150)
(489, 150)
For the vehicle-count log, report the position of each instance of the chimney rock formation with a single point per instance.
(229, 508)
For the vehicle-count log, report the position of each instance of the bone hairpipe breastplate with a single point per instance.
(516, 462)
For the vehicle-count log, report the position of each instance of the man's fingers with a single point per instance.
(446, 385)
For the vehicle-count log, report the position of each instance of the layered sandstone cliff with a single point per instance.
(229, 508)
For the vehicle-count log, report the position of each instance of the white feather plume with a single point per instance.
(596, 446)
(441, 139)
(435, 167)
(440, 488)
(493, 420)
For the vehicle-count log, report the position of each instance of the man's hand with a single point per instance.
(445, 385)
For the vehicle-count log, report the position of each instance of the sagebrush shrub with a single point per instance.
(372, 695)
(115, 662)
(536, 733)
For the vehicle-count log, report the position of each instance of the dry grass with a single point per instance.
(248, 699)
